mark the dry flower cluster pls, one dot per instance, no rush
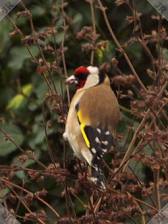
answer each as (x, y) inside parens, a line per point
(137, 169)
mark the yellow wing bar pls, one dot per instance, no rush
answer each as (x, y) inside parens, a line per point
(83, 123)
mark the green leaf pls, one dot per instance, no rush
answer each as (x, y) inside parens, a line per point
(15, 102)
(138, 169)
(40, 136)
(77, 20)
(59, 37)
(21, 175)
(135, 51)
(106, 52)
(19, 99)
(27, 89)
(40, 89)
(6, 146)
(3, 193)
(37, 11)
(19, 55)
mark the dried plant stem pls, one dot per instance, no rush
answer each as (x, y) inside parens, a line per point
(62, 50)
(98, 204)
(51, 154)
(156, 186)
(142, 212)
(80, 200)
(48, 205)
(92, 208)
(136, 199)
(94, 29)
(120, 48)
(29, 51)
(67, 204)
(23, 202)
(9, 183)
(22, 35)
(8, 137)
(148, 52)
(49, 80)
(130, 147)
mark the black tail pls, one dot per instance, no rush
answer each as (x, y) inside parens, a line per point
(101, 140)
(98, 176)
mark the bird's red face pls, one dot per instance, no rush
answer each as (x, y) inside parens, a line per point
(79, 78)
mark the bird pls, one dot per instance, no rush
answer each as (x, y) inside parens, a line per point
(92, 119)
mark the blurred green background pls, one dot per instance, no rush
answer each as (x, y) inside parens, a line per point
(33, 97)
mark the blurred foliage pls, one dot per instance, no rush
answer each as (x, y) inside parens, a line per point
(38, 49)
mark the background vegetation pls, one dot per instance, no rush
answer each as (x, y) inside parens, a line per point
(41, 43)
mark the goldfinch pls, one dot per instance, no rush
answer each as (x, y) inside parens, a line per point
(92, 118)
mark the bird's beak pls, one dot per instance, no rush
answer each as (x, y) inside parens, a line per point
(71, 80)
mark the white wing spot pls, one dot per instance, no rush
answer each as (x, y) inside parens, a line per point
(105, 142)
(104, 150)
(97, 140)
(107, 133)
(99, 130)
(96, 168)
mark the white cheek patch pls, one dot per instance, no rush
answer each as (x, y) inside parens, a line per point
(93, 77)
(92, 80)
(93, 69)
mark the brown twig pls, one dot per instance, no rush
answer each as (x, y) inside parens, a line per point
(120, 48)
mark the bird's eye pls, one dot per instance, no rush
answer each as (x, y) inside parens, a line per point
(81, 76)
